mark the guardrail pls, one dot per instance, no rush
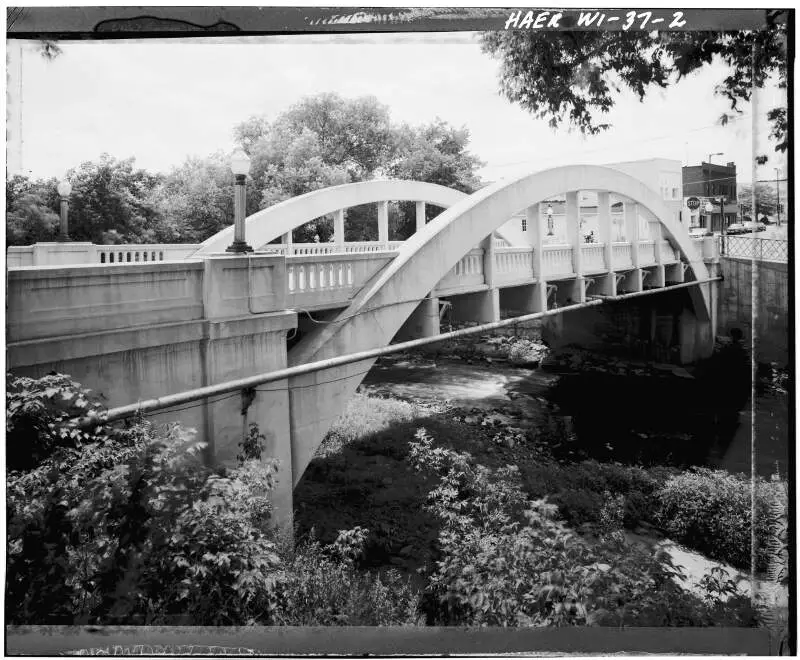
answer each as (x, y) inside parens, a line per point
(754, 247)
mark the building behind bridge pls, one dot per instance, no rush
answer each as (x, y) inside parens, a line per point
(708, 183)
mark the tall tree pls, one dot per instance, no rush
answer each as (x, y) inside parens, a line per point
(31, 214)
(327, 140)
(573, 77)
(112, 201)
(434, 153)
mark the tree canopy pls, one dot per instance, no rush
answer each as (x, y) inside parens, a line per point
(327, 140)
(323, 140)
(573, 77)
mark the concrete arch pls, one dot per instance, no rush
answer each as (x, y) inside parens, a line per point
(384, 303)
(273, 222)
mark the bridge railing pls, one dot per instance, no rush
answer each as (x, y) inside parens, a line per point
(356, 247)
(328, 280)
(466, 273)
(75, 252)
(513, 265)
(754, 247)
(647, 252)
(621, 255)
(557, 260)
(594, 257)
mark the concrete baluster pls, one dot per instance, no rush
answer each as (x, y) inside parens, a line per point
(575, 239)
(535, 231)
(420, 215)
(608, 284)
(338, 229)
(658, 276)
(631, 218)
(383, 222)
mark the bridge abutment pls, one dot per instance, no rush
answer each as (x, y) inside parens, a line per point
(145, 330)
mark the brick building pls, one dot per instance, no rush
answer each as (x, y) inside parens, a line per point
(709, 182)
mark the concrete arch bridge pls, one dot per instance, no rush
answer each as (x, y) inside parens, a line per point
(141, 330)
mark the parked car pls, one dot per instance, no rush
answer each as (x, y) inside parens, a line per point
(754, 226)
(698, 232)
(736, 228)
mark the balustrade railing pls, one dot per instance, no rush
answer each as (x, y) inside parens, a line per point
(329, 280)
(621, 255)
(110, 254)
(647, 252)
(358, 247)
(467, 272)
(513, 264)
(316, 276)
(75, 253)
(594, 260)
(557, 260)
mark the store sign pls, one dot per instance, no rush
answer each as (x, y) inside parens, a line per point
(693, 203)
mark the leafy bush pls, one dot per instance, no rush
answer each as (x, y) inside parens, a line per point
(709, 510)
(320, 586)
(127, 525)
(582, 490)
(508, 561)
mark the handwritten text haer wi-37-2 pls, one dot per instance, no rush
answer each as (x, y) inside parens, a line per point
(587, 19)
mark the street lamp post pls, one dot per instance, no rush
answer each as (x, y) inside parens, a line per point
(549, 219)
(240, 166)
(778, 193)
(64, 189)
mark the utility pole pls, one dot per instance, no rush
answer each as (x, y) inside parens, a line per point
(708, 192)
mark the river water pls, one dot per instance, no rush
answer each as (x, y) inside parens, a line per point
(664, 419)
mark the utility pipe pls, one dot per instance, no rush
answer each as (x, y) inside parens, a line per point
(171, 400)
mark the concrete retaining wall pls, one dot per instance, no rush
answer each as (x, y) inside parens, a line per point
(772, 306)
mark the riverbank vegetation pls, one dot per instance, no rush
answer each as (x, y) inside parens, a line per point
(412, 513)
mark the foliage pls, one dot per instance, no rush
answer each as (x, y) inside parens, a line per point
(766, 198)
(126, 525)
(709, 510)
(36, 410)
(252, 445)
(327, 140)
(321, 141)
(436, 153)
(507, 560)
(112, 194)
(321, 586)
(197, 197)
(364, 416)
(573, 76)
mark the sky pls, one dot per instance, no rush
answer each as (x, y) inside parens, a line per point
(163, 100)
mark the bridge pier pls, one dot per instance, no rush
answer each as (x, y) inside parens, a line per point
(478, 307)
(525, 299)
(630, 282)
(423, 322)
